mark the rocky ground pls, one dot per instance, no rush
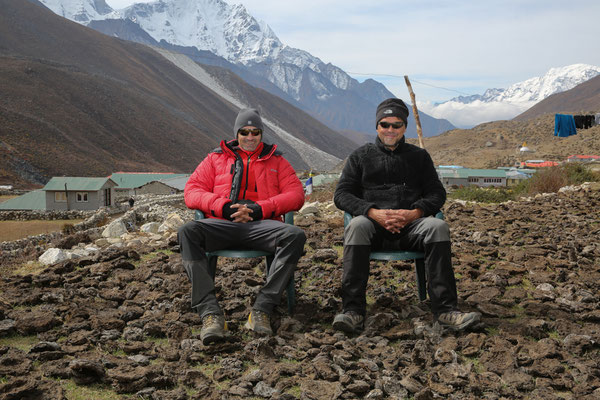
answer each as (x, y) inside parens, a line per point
(116, 323)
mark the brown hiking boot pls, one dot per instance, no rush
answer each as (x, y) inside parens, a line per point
(213, 329)
(457, 320)
(259, 322)
(349, 322)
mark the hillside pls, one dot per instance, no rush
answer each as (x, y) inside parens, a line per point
(76, 102)
(495, 144)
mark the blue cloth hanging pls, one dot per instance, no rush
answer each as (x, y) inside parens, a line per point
(564, 125)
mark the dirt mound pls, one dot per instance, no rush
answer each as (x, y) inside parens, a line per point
(121, 321)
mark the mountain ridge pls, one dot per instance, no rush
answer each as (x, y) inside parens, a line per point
(100, 104)
(233, 34)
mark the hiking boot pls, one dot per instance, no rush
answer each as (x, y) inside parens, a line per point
(349, 322)
(259, 322)
(457, 320)
(213, 329)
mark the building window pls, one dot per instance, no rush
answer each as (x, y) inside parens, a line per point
(60, 197)
(492, 180)
(473, 180)
(82, 197)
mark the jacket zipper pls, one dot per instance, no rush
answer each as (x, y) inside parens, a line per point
(247, 175)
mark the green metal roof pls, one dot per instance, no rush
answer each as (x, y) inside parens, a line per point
(125, 180)
(471, 173)
(35, 200)
(57, 183)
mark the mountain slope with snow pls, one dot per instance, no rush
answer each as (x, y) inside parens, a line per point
(230, 32)
(500, 104)
(82, 11)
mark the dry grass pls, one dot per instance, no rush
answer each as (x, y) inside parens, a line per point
(14, 230)
(28, 268)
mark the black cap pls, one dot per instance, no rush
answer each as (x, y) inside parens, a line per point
(391, 108)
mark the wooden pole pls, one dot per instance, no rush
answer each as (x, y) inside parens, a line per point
(415, 112)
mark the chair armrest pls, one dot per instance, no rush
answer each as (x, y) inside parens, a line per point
(289, 218)
(347, 218)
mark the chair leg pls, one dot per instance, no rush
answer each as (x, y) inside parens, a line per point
(421, 278)
(291, 296)
(290, 289)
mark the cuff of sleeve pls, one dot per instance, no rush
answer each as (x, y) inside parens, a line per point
(227, 211)
(257, 212)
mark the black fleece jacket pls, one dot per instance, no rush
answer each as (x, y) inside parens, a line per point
(375, 177)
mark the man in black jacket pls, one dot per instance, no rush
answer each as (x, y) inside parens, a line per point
(389, 187)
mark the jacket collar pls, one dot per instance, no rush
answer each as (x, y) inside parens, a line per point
(231, 146)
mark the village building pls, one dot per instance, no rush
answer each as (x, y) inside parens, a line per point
(131, 183)
(164, 186)
(65, 194)
(466, 176)
(76, 193)
(583, 158)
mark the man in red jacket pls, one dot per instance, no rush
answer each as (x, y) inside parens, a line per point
(243, 188)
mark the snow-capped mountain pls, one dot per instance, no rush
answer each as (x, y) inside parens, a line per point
(82, 11)
(213, 25)
(230, 32)
(500, 104)
(536, 89)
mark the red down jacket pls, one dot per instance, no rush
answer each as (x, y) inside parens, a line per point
(210, 186)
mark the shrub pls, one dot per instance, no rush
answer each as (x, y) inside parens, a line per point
(578, 173)
(548, 180)
(68, 229)
(483, 195)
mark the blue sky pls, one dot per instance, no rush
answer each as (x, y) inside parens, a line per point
(459, 46)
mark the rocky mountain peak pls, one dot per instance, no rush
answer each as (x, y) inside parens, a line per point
(230, 32)
(82, 11)
(538, 88)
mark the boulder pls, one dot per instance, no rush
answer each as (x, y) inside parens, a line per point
(115, 229)
(150, 227)
(309, 208)
(171, 223)
(53, 256)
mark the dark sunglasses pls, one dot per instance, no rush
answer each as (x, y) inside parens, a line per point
(394, 125)
(246, 132)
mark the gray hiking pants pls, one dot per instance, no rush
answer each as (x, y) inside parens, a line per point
(428, 235)
(196, 238)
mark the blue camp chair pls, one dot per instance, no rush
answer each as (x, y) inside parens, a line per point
(243, 253)
(401, 255)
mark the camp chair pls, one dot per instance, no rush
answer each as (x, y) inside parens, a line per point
(244, 253)
(401, 255)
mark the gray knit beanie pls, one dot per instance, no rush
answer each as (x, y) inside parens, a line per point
(247, 117)
(391, 108)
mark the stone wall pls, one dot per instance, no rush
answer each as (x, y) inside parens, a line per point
(148, 208)
(27, 215)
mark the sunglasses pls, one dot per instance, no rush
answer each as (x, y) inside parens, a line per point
(246, 132)
(394, 125)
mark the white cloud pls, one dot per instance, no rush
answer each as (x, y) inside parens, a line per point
(468, 115)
